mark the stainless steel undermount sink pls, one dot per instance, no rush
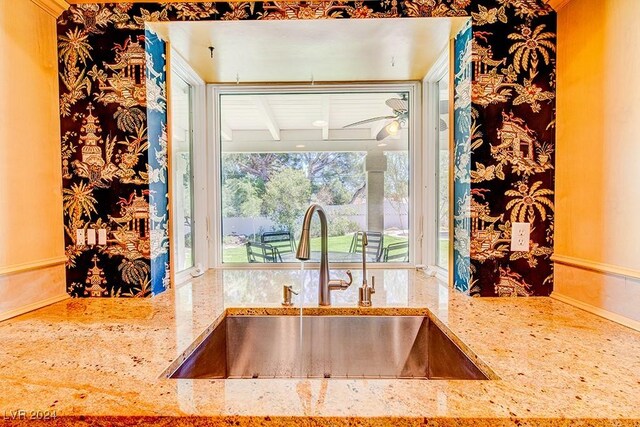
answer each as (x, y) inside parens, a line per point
(408, 347)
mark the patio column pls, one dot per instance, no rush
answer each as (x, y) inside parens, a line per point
(375, 166)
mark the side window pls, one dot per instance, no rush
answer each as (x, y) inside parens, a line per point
(182, 173)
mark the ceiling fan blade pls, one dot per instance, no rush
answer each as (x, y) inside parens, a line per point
(384, 133)
(397, 104)
(371, 120)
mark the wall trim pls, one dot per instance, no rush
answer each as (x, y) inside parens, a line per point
(184, 69)
(52, 7)
(557, 4)
(596, 266)
(33, 265)
(33, 306)
(617, 318)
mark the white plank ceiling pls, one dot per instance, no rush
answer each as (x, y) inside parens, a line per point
(336, 50)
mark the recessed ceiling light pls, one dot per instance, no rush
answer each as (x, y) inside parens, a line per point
(320, 123)
(382, 144)
(300, 146)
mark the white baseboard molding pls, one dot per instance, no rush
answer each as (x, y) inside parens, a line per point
(33, 306)
(625, 321)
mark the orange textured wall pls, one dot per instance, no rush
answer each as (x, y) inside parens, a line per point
(31, 226)
(598, 155)
(598, 137)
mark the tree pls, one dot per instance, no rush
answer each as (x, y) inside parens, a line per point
(396, 182)
(341, 174)
(240, 198)
(259, 166)
(287, 197)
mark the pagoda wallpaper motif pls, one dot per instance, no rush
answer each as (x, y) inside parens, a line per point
(113, 113)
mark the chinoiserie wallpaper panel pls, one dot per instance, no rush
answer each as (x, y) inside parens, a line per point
(462, 72)
(513, 146)
(114, 140)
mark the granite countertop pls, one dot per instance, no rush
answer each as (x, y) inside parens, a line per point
(101, 361)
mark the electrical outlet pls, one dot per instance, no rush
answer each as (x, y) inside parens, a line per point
(102, 236)
(80, 237)
(91, 237)
(520, 232)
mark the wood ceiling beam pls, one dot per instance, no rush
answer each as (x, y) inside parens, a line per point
(300, 135)
(325, 117)
(226, 132)
(317, 146)
(266, 113)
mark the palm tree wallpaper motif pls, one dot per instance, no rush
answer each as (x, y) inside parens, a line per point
(529, 202)
(113, 115)
(531, 43)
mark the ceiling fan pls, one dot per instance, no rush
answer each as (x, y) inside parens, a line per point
(400, 107)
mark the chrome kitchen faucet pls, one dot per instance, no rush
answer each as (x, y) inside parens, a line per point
(325, 284)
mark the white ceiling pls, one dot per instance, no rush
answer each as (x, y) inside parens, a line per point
(297, 51)
(299, 111)
(285, 122)
(323, 50)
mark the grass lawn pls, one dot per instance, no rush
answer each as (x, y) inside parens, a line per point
(336, 244)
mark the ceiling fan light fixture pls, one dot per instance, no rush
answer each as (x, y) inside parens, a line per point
(393, 127)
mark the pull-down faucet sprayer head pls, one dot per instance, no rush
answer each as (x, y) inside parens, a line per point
(304, 246)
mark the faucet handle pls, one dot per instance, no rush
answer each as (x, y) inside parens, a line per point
(287, 290)
(365, 291)
(339, 283)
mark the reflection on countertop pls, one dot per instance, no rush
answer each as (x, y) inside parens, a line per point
(103, 359)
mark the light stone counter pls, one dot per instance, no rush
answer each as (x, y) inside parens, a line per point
(101, 361)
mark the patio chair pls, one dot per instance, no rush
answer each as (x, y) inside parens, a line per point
(396, 252)
(374, 248)
(281, 240)
(262, 252)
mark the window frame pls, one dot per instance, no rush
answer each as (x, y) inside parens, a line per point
(431, 93)
(180, 67)
(215, 91)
